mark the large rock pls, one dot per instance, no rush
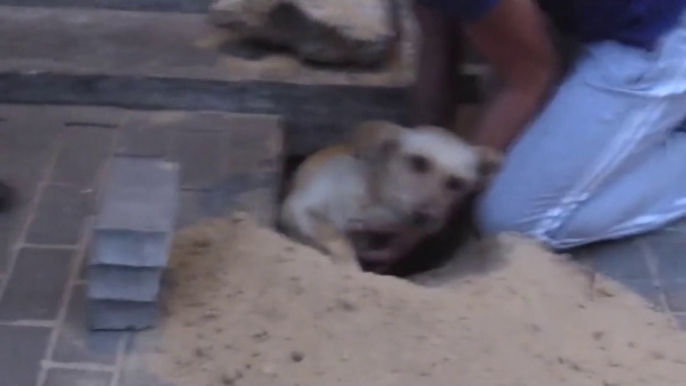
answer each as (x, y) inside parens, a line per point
(328, 31)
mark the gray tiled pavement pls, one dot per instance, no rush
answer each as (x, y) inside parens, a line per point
(56, 157)
(653, 265)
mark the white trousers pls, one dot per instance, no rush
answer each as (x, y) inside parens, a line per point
(606, 158)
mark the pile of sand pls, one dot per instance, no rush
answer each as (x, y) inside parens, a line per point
(249, 307)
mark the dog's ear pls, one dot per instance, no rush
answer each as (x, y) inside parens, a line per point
(375, 140)
(489, 164)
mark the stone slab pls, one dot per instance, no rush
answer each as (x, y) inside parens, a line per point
(139, 195)
(108, 282)
(139, 208)
(130, 248)
(122, 315)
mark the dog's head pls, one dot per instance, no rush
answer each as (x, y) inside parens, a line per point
(422, 172)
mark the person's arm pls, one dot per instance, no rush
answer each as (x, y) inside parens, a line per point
(514, 39)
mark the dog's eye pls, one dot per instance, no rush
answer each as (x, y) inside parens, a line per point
(418, 163)
(455, 183)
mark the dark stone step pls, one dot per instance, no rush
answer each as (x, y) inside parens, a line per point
(313, 115)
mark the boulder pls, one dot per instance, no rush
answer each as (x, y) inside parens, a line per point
(326, 31)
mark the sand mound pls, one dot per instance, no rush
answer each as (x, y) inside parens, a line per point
(249, 307)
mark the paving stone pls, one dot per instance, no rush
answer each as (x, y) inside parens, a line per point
(108, 282)
(203, 157)
(27, 140)
(83, 270)
(122, 315)
(82, 155)
(256, 142)
(191, 208)
(76, 343)
(26, 130)
(25, 145)
(255, 192)
(22, 168)
(678, 225)
(676, 296)
(7, 238)
(21, 350)
(668, 247)
(620, 260)
(37, 284)
(139, 209)
(229, 144)
(143, 136)
(648, 290)
(60, 216)
(68, 377)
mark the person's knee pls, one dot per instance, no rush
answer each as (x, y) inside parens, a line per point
(496, 212)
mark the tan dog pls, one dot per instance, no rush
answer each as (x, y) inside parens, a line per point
(389, 177)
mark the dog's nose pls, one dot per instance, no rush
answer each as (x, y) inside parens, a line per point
(420, 219)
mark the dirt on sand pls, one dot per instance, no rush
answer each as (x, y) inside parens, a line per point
(249, 307)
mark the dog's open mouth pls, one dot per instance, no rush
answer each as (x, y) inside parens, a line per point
(379, 240)
(370, 241)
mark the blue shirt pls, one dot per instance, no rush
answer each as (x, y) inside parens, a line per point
(634, 22)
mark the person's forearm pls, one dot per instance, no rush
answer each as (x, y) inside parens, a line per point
(508, 114)
(514, 40)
